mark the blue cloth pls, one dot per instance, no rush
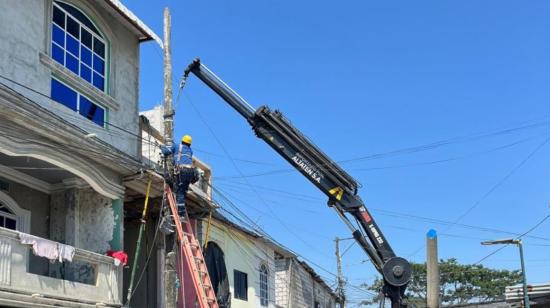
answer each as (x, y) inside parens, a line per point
(186, 153)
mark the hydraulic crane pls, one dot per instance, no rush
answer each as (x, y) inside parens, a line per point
(341, 189)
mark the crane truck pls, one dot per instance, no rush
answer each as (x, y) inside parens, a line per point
(340, 188)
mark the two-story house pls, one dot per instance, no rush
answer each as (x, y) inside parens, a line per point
(69, 136)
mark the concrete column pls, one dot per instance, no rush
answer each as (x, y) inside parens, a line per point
(432, 270)
(64, 212)
(117, 243)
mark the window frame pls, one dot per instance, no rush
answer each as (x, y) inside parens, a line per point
(237, 285)
(11, 215)
(95, 34)
(78, 96)
(264, 285)
(23, 216)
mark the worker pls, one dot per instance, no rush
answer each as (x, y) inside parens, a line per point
(184, 171)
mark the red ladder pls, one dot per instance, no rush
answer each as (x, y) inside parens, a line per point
(191, 258)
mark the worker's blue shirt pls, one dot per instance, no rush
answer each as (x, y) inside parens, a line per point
(186, 157)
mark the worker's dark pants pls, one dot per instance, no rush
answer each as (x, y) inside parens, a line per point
(184, 178)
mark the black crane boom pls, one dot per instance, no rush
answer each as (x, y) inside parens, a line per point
(323, 172)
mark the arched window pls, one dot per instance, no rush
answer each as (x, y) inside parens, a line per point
(12, 216)
(79, 46)
(264, 288)
(8, 219)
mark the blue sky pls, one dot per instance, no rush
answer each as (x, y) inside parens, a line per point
(362, 78)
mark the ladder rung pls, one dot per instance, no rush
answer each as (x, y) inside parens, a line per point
(199, 259)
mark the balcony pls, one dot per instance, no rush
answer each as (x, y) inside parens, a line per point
(92, 280)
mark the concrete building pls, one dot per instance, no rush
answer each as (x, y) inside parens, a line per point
(69, 148)
(297, 285)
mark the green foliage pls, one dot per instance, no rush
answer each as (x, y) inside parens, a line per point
(460, 283)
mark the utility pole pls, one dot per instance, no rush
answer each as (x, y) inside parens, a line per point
(169, 277)
(341, 282)
(432, 270)
(168, 108)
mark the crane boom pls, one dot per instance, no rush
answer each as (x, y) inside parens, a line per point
(341, 188)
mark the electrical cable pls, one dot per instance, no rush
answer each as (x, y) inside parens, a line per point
(245, 179)
(519, 237)
(493, 188)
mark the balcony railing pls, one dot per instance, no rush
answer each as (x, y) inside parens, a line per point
(18, 286)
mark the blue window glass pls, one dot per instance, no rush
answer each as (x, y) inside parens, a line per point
(58, 35)
(73, 45)
(78, 45)
(71, 63)
(91, 111)
(98, 81)
(58, 54)
(73, 27)
(86, 56)
(86, 38)
(58, 17)
(86, 73)
(99, 47)
(78, 15)
(63, 94)
(99, 65)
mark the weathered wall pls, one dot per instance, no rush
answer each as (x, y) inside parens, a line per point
(25, 30)
(301, 287)
(96, 221)
(282, 292)
(245, 254)
(323, 296)
(82, 218)
(296, 288)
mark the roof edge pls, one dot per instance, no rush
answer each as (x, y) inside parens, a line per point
(147, 33)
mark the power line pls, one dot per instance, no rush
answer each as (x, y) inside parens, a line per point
(494, 187)
(245, 179)
(395, 214)
(267, 235)
(421, 148)
(519, 237)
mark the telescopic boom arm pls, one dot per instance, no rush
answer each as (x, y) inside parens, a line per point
(319, 169)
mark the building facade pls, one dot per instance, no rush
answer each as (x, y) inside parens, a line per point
(298, 286)
(69, 74)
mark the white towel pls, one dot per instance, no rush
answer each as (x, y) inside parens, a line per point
(41, 247)
(66, 252)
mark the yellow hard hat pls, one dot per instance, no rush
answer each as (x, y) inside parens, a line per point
(187, 139)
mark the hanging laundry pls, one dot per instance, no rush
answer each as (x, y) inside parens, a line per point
(119, 256)
(40, 246)
(66, 252)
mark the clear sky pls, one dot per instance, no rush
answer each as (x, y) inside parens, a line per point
(369, 77)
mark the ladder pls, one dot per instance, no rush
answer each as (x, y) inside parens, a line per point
(190, 257)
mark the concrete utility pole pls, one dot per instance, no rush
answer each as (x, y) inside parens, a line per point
(432, 270)
(168, 108)
(341, 282)
(169, 277)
